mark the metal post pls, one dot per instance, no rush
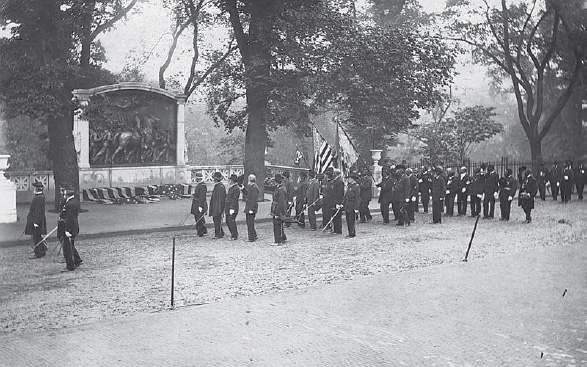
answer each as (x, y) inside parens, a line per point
(172, 269)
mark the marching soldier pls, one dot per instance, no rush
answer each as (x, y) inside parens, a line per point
(231, 206)
(438, 194)
(71, 230)
(279, 211)
(289, 187)
(352, 199)
(326, 188)
(413, 204)
(567, 179)
(528, 191)
(301, 200)
(542, 180)
(385, 195)
(217, 203)
(365, 186)
(580, 178)
(476, 192)
(555, 174)
(251, 206)
(200, 206)
(463, 184)
(425, 184)
(451, 192)
(337, 200)
(36, 224)
(490, 192)
(508, 187)
(313, 199)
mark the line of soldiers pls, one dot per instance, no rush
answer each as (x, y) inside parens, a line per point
(561, 179)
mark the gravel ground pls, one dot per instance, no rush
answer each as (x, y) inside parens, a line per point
(132, 274)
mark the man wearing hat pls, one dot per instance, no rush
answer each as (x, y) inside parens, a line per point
(555, 176)
(365, 187)
(542, 180)
(413, 205)
(425, 185)
(337, 201)
(352, 200)
(580, 178)
(289, 187)
(301, 199)
(279, 210)
(199, 205)
(251, 206)
(451, 191)
(313, 199)
(217, 203)
(438, 194)
(508, 187)
(326, 189)
(567, 180)
(490, 192)
(231, 206)
(386, 194)
(36, 224)
(463, 184)
(402, 196)
(528, 191)
(71, 229)
(476, 192)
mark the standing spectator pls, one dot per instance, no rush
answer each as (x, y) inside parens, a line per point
(289, 187)
(71, 227)
(231, 206)
(528, 191)
(555, 175)
(200, 206)
(413, 204)
(542, 180)
(403, 190)
(463, 184)
(490, 192)
(337, 199)
(352, 199)
(451, 191)
(36, 223)
(365, 186)
(217, 202)
(508, 186)
(476, 192)
(385, 195)
(567, 179)
(326, 188)
(438, 193)
(580, 178)
(301, 200)
(279, 211)
(312, 199)
(425, 184)
(251, 206)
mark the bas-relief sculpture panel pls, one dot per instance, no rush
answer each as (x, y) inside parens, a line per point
(132, 127)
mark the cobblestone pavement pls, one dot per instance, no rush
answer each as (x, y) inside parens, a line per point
(522, 309)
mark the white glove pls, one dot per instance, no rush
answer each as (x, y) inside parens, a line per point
(558, 184)
(338, 206)
(447, 192)
(67, 234)
(200, 209)
(36, 225)
(413, 198)
(420, 181)
(480, 196)
(495, 195)
(566, 178)
(289, 203)
(510, 198)
(407, 200)
(321, 196)
(231, 211)
(356, 211)
(463, 189)
(250, 212)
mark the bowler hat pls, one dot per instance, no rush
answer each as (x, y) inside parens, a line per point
(234, 177)
(217, 176)
(278, 177)
(39, 184)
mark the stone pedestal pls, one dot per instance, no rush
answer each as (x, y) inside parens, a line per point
(7, 194)
(376, 156)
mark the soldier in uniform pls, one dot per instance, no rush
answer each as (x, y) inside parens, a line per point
(36, 224)
(451, 192)
(251, 206)
(71, 230)
(528, 191)
(352, 200)
(337, 200)
(425, 184)
(555, 174)
(463, 184)
(490, 192)
(580, 177)
(365, 186)
(542, 179)
(438, 194)
(326, 188)
(231, 206)
(507, 190)
(413, 204)
(312, 199)
(289, 187)
(403, 190)
(476, 192)
(567, 179)
(301, 200)
(200, 206)
(279, 210)
(385, 195)
(217, 202)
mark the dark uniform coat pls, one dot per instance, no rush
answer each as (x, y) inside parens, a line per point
(279, 203)
(71, 210)
(365, 188)
(438, 188)
(352, 197)
(386, 194)
(231, 202)
(313, 193)
(252, 193)
(217, 200)
(530, 188)
(199, 199)
(36, 215)
(337, 191)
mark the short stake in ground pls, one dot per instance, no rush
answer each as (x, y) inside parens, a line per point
(471, 241)
(172, 269)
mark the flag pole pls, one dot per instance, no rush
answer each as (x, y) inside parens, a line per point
(353, 145)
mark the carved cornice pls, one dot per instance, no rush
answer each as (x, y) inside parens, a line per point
(86, 94)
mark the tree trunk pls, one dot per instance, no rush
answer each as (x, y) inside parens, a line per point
(535, 153)
(62, 152)
(258, 74)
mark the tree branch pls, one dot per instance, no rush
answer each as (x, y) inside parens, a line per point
(102, 27)
(239, 34)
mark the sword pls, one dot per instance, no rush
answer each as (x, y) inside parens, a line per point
(331, 219)
(186, 218)
(46, 236)
(202, 217)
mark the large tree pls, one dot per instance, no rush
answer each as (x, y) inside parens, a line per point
(525, 42)
(51, 51)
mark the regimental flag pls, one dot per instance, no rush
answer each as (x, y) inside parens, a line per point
(324, 154)
(347, 152)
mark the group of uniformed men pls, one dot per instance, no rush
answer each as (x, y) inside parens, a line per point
(560, 179)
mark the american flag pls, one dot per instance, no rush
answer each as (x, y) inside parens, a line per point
(324, 154)
(348, 153)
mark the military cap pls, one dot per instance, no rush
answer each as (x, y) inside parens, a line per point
(217, 176)
(438, 169)
(490, 167)
(278, 178)
(400, 166)
(353, 174)
(39, 185)
(233, 177)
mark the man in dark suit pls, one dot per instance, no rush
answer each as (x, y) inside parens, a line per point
(438, 194)
(337, 199)
(365, 182)
(36, 224)
(200, 206)
(508, 186)
(476, 192)
(217, 202)
(352, 200)
(580, 178)
(490, 192)
(231, 206)
(385, 195)
(279, 211)
(424, 185)
(403, 190)
(542, 179)
(71, 227)
(301, 199)
(528, 191)
(555, 175)
(289, 187)
(326, 190)
(451, 192)
(312, 199)
(251, 206)
(413, 204)
(566, 180)
(463, 184)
